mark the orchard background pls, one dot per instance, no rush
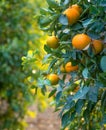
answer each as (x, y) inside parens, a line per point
(65, 61)
(19, 34)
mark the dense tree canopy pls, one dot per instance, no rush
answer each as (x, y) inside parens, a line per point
(18, 34)
(79, 61)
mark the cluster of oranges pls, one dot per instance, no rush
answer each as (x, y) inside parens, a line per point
(68, 67)
(79, 42)
(83, 41)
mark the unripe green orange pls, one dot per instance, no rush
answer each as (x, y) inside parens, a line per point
(53, 42)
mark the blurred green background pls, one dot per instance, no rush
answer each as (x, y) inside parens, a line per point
(18, 34)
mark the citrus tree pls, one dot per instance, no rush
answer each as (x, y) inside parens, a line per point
(76, 60)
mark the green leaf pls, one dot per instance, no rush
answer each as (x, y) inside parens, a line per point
(66, 2)
(52, 64)
(47, 82)
(65, 119)
(53, 4)
(103, 63)
(81, 93)
(93, 34)
(63, 20)
(93, 94)
(40, 82)
(104, 118)
(74, 55)
(86, 115)
(43, 89)
(93, 10)
(69, 105)
(87, 22)
(85, 73)
(58, 96)
(46, 57)
(103, 3)
(77, 26)
(90, 52)
(97, 26)
(103, 101)
(79, 106)
(44, 21)
(102, 78)
(52, 92)
(45, 11)
(104, 50)
(47, 49)
(89, 108)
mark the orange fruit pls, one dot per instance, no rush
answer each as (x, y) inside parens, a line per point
(54, 78)
(69, 67)
(77, 7)
(72, 14)
(97, 46)
(81, 41)
(53, 42)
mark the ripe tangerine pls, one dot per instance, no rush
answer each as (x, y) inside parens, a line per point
(54, 78)
(72, 15)
(77, 7)
(69, 67)
(81, 41)
(97, 46)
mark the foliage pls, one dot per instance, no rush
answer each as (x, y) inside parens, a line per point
(17, 34)
(86, 107)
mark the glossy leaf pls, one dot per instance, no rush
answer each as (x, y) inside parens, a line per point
(81, 93)
(103, 63)
(63, 20)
